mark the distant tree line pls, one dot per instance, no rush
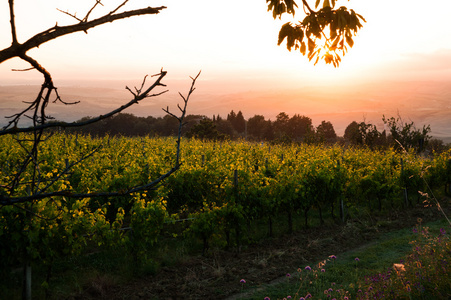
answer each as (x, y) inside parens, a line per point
(284, 129)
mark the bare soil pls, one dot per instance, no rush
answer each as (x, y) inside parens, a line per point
(217, 275)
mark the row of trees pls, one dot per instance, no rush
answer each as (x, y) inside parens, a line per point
(284, 129)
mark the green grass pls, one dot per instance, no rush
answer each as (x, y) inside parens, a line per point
(343, 272)
(99, 270)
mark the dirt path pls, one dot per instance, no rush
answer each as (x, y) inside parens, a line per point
(244, 295)
(217, 275)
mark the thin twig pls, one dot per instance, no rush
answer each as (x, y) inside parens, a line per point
(67, 169)
(40, 194)
(181, 118)
(13, 22)
(117, 8)
(85, 19)
(22, 70)
(136, 99)
(71, 15)
(57, 31)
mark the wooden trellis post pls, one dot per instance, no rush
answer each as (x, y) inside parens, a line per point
(406, 198)
(342, 209)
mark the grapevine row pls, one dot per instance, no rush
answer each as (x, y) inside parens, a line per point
(223, 188)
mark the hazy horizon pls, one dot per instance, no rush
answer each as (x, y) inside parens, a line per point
(423, 102)
(394, 66)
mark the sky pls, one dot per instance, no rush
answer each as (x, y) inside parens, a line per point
(233, 42)
(227, 39)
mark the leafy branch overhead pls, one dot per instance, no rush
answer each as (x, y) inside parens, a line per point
(324, 33)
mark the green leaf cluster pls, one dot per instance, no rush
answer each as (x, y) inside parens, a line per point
(279, 7)
(323, 34)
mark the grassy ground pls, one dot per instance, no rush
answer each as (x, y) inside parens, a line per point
(344, 271)
(177, 271)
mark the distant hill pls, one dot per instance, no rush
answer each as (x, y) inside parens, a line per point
(423, 102)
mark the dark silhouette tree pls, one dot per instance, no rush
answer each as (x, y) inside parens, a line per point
(225, 127)
(352, 134)
(268, 132)
(436, 146)
(280, 126)
(325, 132)
(231, 116)
(205, 130)
(372, 137)
(363, 134)
(256, 127)
(237, 121)
(405, 136)
(240, 123)
(299, 127)
(123, 124)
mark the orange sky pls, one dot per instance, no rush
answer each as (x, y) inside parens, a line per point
(227, 39)
(234, 43)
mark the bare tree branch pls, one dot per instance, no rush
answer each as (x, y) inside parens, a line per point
(70, 15)
(58, 98)
(67, 169)
(181, 118)
(117, 8)
(40, 194)
(39, 117)
(40, 103)
(17, 49)
(4, 200)
(136, 99)
(87, 14)
(22, 70)
(90, 11)
(27, 171)
(13, 22)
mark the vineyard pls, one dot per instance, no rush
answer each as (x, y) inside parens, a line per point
(222, 191)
